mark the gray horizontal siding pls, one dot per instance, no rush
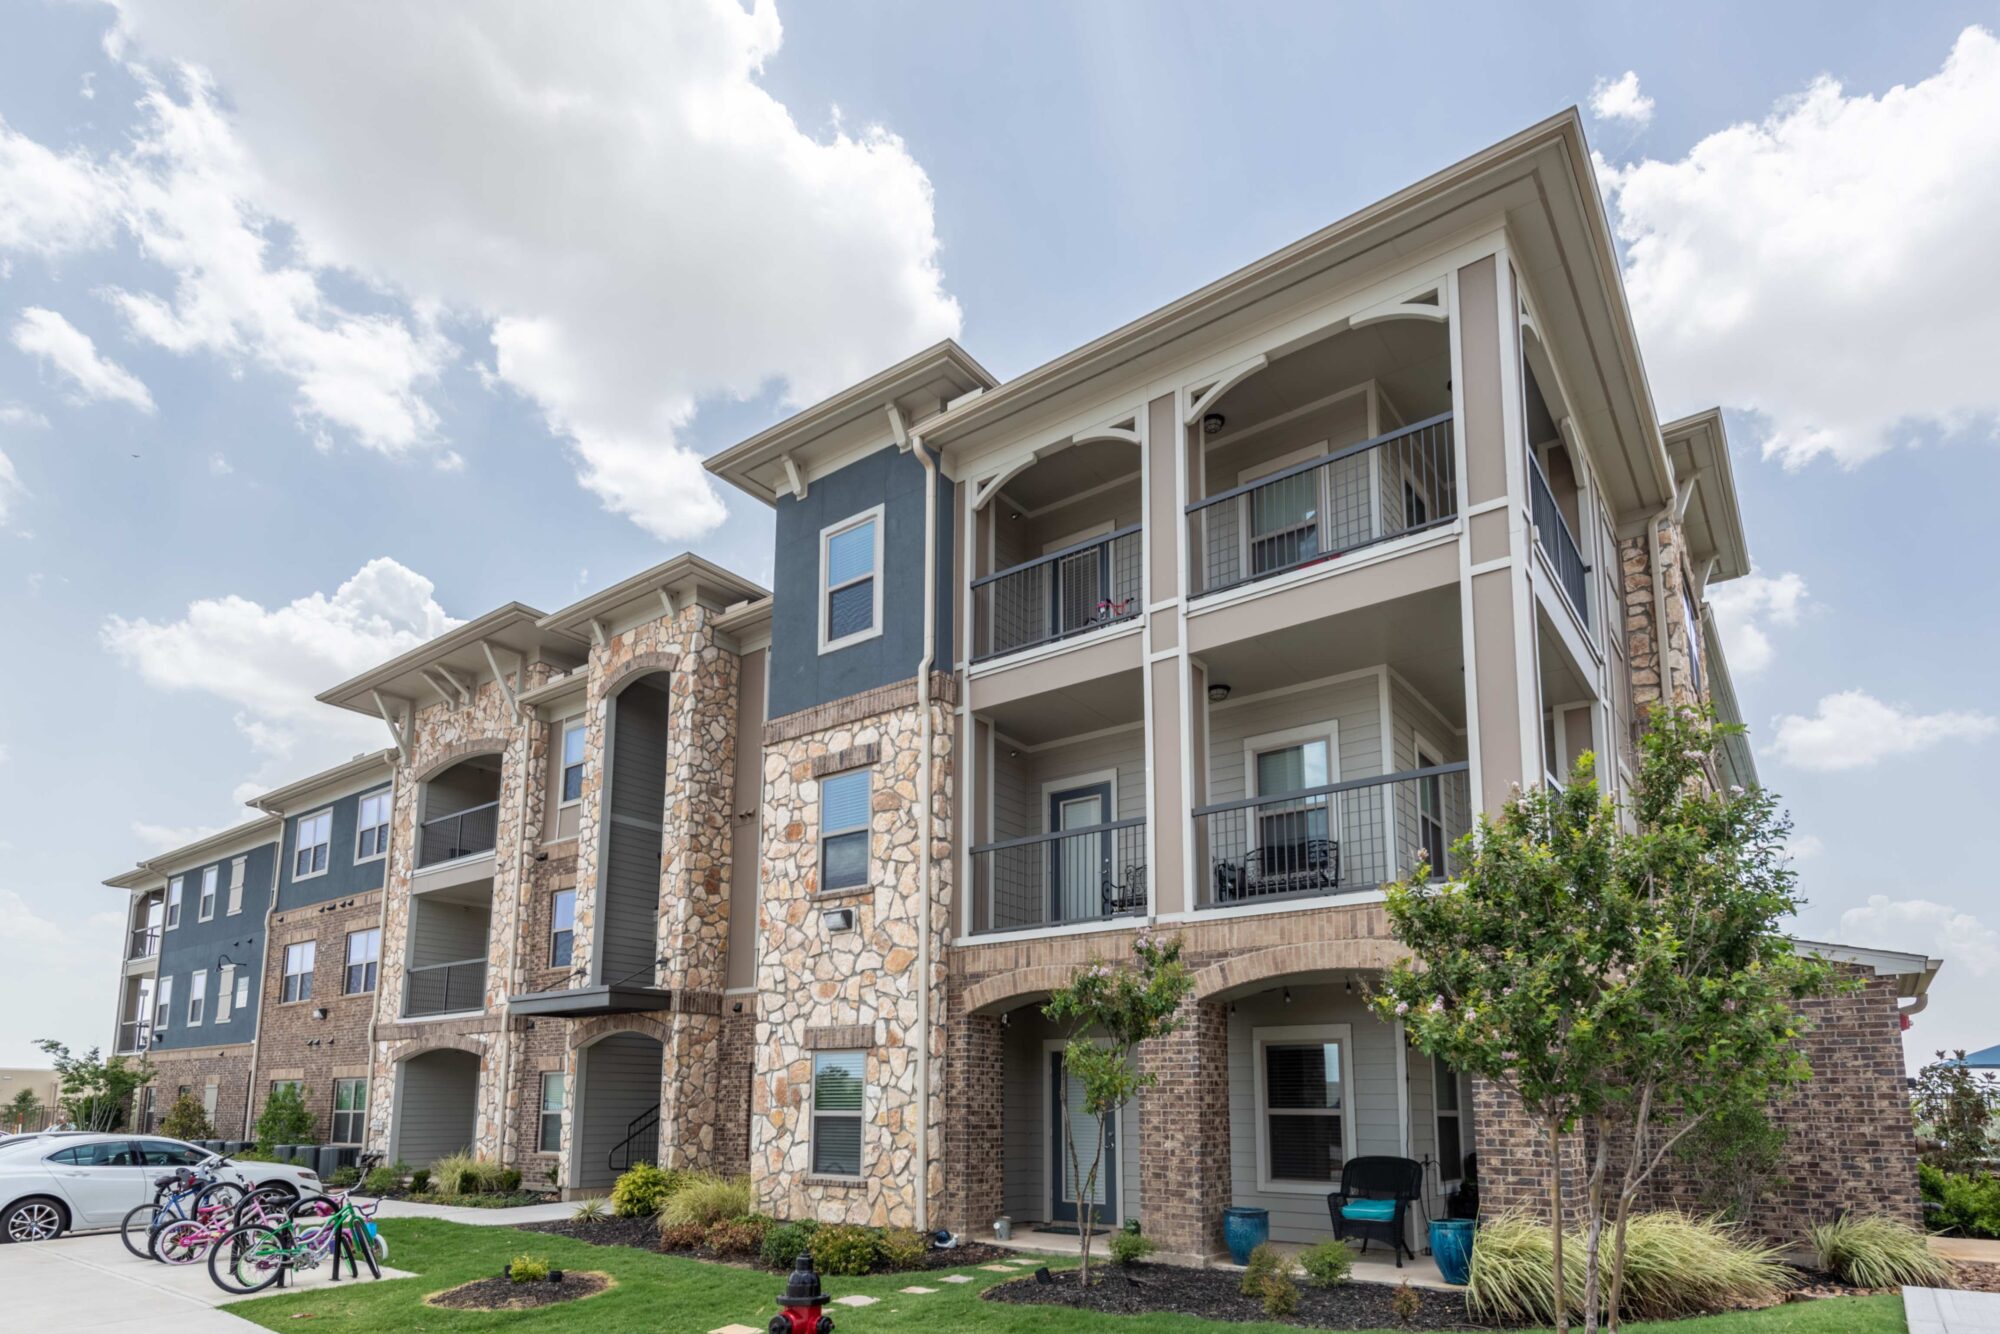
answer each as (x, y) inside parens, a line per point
(437, 1097)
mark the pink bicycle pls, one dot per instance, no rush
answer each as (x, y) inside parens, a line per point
(187, 1241)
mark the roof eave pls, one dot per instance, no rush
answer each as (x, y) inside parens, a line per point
(312, 788)
(251, 833)
(677, 573)
(357, 693)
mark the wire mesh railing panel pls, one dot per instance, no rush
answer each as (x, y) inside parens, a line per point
(1058, 596)
(445, 988)
(1557, 542)
(1075, 875)
(460, 834)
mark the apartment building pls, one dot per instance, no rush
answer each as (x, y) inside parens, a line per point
(1213, 625)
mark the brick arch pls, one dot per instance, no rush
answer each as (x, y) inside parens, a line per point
(1021, 984)
(1319, 956)
(461, 750)
(586, 1032)
(636, 666)
(440, 1042)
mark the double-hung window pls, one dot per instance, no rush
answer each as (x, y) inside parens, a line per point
(309, 850)
(562, 927)
(299, 971)
(204, 907)
(237, 869)
(1450, 1126)
(371, 835)
(574, 733)
(1431, 835)
(1304, 1129)
(174, 902)
(364, 954)
(163, 1004)
(350, 1110)
(850, 579)
(838, 1094)
(242, 990)
(843, 830)
(548, 1134)
(225, 992)
(197, 996)
(1292, 834)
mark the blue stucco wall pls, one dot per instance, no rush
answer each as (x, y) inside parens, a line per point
(193, 946)
(343, 878)
(801, 676)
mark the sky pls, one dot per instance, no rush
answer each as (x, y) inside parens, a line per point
(325, 327)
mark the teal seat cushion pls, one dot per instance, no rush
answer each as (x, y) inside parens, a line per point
(1369, 1211)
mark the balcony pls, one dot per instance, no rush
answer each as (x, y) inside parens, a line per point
(465, 833)
(1066, 593)
(444, 988)
(134, 1036)
(1320, 510)
(1076, 875)
(1558, 543)
(144, 944)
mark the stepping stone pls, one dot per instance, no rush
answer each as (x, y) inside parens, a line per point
(956, 1278)
(921, 1292)
(734, 1329)
(855, 1299)
(998, 1269)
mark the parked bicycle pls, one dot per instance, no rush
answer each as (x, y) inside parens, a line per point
(179, 1196)
(251, 1258)
(186, 1240)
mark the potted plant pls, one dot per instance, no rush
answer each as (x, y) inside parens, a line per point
(1244, 1230)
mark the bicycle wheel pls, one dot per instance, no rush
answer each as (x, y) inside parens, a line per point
(364, 1246)
(266, 1204)
(181, 1242)
(139, 1225)
(249, 1259)
(227, 1194)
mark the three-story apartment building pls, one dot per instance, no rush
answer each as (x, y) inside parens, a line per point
(1213, 625)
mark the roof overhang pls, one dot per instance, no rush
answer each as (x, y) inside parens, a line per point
(685, 580)
(783, 458)
(428, 670)
(582, 1002)
(1712, 520)
(1913, 972)
(1538, 184)
(360, 772)
(238, 838)
(1739, 764)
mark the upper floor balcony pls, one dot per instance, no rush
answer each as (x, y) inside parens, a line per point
(449, 933)
(461, 812)
(143, 943)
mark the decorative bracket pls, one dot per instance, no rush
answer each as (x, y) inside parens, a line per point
(795, 481)
(500, 678)
(1212, 392)
(896, 427)
(1425, 304)
(399, 732)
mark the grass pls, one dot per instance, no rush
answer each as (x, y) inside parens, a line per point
(664, 1294)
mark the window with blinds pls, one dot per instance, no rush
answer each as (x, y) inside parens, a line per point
(843, 830)
(838, 1094)
(850, 564)
(1305, 1110)
(236, 871)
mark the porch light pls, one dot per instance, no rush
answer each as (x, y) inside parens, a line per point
(1217, 693)
(319, 1012)
(1288, 995)
(838, 919)
(1212, 423)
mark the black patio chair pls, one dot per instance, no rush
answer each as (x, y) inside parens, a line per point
(1374, 1200)
(1289, 868)
(1127, 895)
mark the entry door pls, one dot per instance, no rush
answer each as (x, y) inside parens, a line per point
(1077, 866)
(1064, 1206)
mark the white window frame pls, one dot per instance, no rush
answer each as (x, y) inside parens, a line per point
(543, 1111)
(1260, 1038)
(1438, 1115)
(225, 992)
(335, 1112)
(243, 989)
(860, 1117)
(163, 1005)
(299, 843)
(361, 825)
(311, 947)
(197, 1004)
(575, 723)
(347, 963)
(175, 888)
(866, 828)
(211, 887)
(555, 930)
(825, 591)
(239, 871)
(1328, 731)
(1420, 746)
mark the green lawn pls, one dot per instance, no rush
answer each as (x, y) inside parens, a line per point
(659, 1294)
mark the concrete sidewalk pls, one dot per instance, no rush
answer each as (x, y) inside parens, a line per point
(1935, 1311)
(452, 1213)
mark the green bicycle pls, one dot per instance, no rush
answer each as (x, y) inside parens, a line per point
(252, 1257)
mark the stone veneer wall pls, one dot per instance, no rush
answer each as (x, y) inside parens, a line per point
(859, 987)
(228, 1067)
(287, 1030)
(1642, 637)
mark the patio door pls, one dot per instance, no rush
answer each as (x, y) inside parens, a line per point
(1066, 1200)
(1077, 866)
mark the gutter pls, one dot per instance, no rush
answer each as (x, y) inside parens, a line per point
(926, 798)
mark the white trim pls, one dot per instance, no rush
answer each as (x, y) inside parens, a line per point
(1284, 739)
(197, 994)
(563, 727)
(1395, 547)
(862, 1116)
(1457, 1114)
(209, 893)
(170, 915)
(1403, 1087)
(1101, 635)
(1050, 787)
(298, 834)
(388, 823)
(239, 871)
(1338, 899)
(1260, 1113)
(823, 592)
(866, 828)
(1075, 740)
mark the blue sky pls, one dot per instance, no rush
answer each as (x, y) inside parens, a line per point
(321, 326)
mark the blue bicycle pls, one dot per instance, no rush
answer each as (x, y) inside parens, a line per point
(183, 1194)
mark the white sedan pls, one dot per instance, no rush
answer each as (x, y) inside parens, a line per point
(58, 1183)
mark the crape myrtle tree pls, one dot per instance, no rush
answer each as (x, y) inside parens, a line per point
(1619, 966)
(94, 1092)
(1109, 1010)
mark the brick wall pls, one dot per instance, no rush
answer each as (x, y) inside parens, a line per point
(975, 1176)
(194, 1068)
(539, 1046)
(1184, 1132)
(738, 1057)
(291, 1044)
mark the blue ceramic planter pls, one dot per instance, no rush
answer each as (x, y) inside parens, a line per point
(1244, 1230)
(1451, 1247)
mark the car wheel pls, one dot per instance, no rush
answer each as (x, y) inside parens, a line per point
(32, 1220)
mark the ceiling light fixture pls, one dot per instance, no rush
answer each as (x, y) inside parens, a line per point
(1212, 423)
(1217, 693)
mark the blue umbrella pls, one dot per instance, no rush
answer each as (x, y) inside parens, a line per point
(1989, 1059)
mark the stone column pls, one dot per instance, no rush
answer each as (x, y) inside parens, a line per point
(974, 1166)
(1184, 1133)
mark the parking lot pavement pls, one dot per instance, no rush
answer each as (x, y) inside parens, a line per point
(92, 1282)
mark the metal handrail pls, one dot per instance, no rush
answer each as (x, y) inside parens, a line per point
(1029, 840)
(1557, 541)
(1071, 550)
(1297, 469)
(1328, 789)
(648, 1120)
(1035, 603)
(446, 997)
(458, 845)
(145, 943)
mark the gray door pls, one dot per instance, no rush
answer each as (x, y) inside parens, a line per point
(1077, 866)
(1068, 1173)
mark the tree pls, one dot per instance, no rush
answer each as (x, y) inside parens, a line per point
(1735, 1157)
(1956, 1108)
(285, 1119)
(22, 1108)
(1109, 1012)
(92, 1092)
(187, 1120)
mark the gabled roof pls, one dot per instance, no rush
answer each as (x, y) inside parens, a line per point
(213, 847)
(357, 773)
(686, 576)
(515, 628)
(1713, 522)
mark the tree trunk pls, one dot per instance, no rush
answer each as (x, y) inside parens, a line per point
(1556, 1226)
(1593, 1235)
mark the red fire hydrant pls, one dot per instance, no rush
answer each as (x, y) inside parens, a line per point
(799, 1307)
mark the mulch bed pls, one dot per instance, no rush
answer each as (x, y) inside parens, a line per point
(504, 1294)
(1213, 1294)
(644, 1234)
(1976, 1277)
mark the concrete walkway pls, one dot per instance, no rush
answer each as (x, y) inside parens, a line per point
(1936, 1311)
(452, 1213)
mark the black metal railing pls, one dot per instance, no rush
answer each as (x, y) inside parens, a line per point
(134, 1035)
(145, 944)
(1332, 839)
(1058, 596)
(1557, 542)
(444, 988)
(1388, 487)
(1078, 875)
(461, 834)
(640, 1145)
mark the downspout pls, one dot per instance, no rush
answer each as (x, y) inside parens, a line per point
(926, 866)
(263, 963)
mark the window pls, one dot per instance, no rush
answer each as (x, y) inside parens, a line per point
(1693, 638)
(242, 990)
(371, 837)
(309, 851)
(850, 562)
(163, 1004)
(173, 903)
(210, 1092)
(1293, 837)
(197, 996)
(296, 1086)
(170, 1153)
(104, 1153)
(836, 1123)
(1430, 810)
(204, 907)
(575, 731)
(843, 830)
(236, 870)
(562, 927)
(225, 993)
(548, 1137)
(364, 954)
(1302, 1105)
(299, 971)
(350, 1110)
(1450, 1131)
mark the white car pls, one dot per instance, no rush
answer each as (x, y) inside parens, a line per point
(54, 1184)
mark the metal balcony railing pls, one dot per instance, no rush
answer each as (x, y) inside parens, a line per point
(1077, 875)
(134, 1035)
(463, 833)
(1557, 542)
(1388, 487)
(1332, 839)
(144, 943)
(1058, 596)
(444, 988)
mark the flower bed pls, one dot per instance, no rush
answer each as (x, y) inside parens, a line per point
(1216, 1294)
(644, 1234)
(504, 1294)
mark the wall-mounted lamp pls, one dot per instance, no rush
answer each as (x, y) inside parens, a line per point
(1350, 984)
(838, 919)
(736, 1007)
(541, 856)
(319, 1012)
(1217, 693)
(1288, 995)
(1212, 423)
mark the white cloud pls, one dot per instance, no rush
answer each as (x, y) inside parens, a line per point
(1620, 99)
(10, 488)
(1853, 729)
(1853, 234)
(20, 416)
(218, 465)
(51, 202)
(1746, 609)
(271, 661)
(69, 351)
(1936, 929)
(1802, 847)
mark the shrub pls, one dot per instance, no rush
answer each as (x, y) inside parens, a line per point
(1965, 1203)
(706, 1198)
(736, 1237)
(1406, 1305)
(186, 1120)
(682, 1236)
(843, 1249)
(285, 1119)
(1129, 1248)
(344, 1178)
(1734, 1157)
(1674, 1265)
(528, 1269)
(1265, 1260)
(902, 1248)
(420, 1180)
(785, 1242)
(1328, 1265)
(641, 1190)
(1877, 1252)
(463, 1174)
(1279, 1294)
(510, 1180)
(589, 1211)
(384, 1179)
